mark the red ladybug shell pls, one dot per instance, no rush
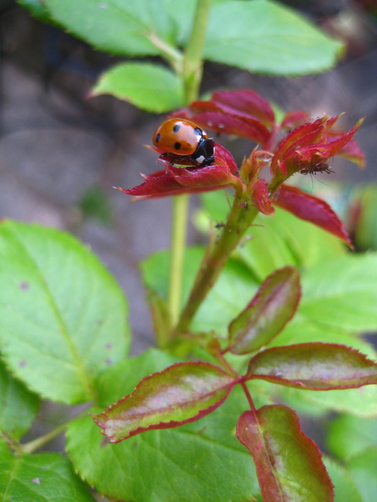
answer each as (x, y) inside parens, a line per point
(178, 136)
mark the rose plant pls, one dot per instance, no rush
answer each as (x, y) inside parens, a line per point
(252, 332)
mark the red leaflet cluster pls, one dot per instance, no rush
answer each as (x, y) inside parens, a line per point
(306, 149)
(187, 178)
(288, 463)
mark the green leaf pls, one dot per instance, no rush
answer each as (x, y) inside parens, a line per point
(63, 315)
(201, 461)
(344, 486)
(317, 366)
(37, 9)
(363, 468)
(301, 330)
(232, 290)
(182, 393)
(265, 37)
(145, 85)
(349, 435)
(38, 478)
(18, 406)
(291, 241)
(266, 315)
(361, 402)
(366, 225)
(288, 463)
(342, 293)
(116, 26)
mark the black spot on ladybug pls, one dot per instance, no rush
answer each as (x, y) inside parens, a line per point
(198, 131)
(158, 138)
(177, 145)
(176, 128)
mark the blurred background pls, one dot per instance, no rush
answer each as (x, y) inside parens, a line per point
(61, 151)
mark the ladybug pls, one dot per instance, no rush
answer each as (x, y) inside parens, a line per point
(183, 138)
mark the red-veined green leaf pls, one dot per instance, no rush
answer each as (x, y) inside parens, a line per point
(315, 366)
(182, 393)
(288, 463)
(266, 315)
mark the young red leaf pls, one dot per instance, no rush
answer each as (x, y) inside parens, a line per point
(351, 151)
(269, 311)
(242, 113)
(336, 146)
(220, 174)
(315, 366)
(188, 178)
(294, 119)
(288, 463)
(310, 208)
(258, 191)
(184, 392)
(227, 124)
(308, 149)
(245, 102)
(307, 134)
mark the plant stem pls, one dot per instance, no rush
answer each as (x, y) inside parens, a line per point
(37, 443)
(240, 218)
(191, 74)
(193, 59)
(224, 363)
(172, 55)
(179, 221)
(248, 397)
